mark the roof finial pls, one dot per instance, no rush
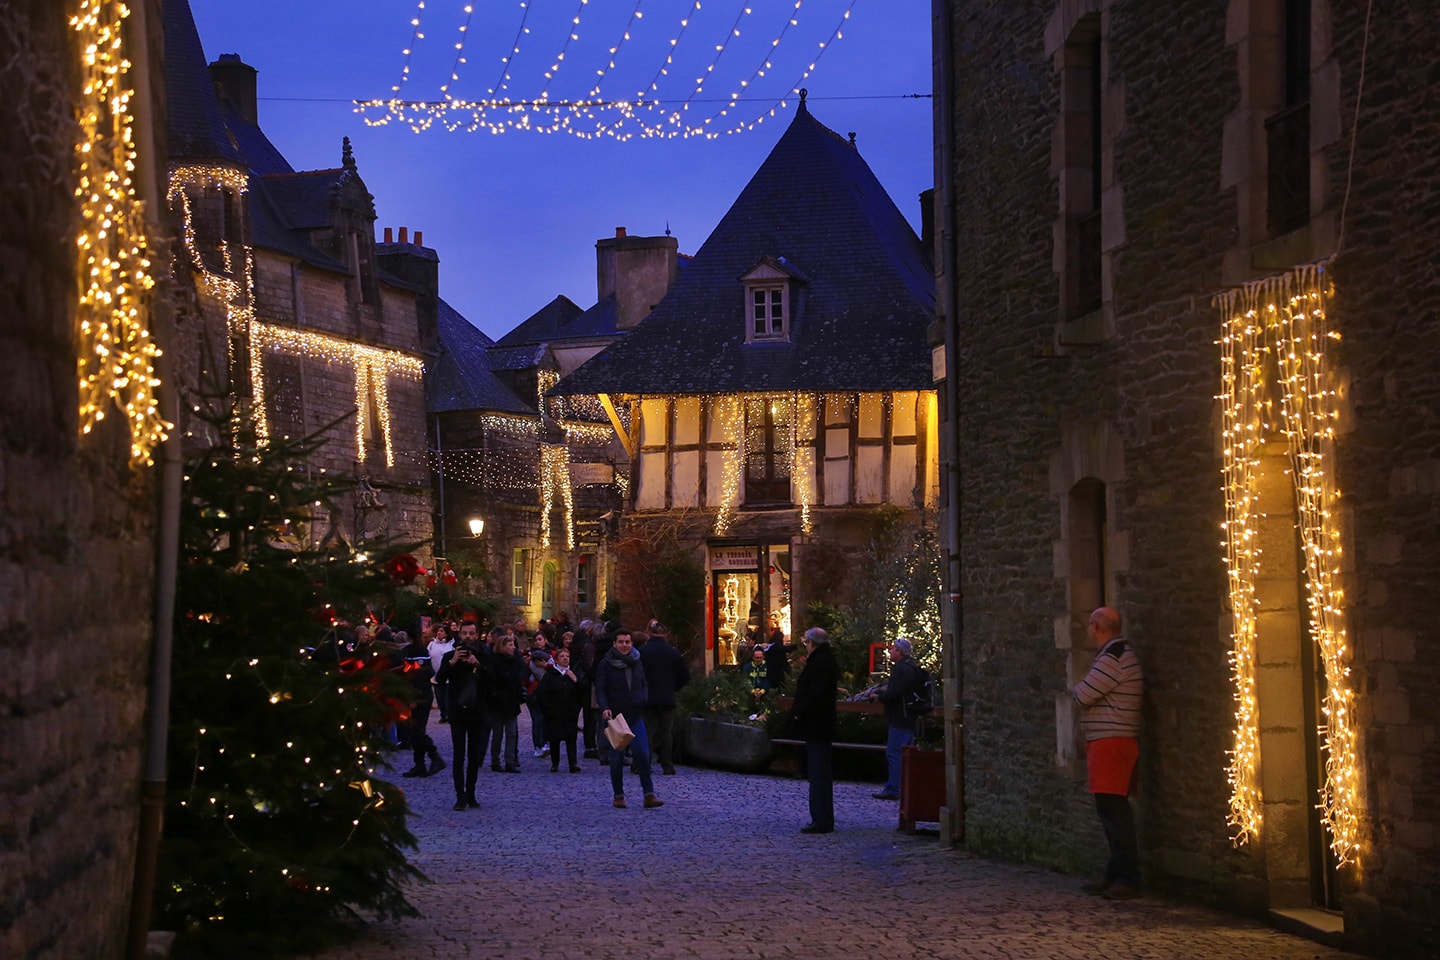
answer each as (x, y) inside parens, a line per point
(803, 94)
(347, 156)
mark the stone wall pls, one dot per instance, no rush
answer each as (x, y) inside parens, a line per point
(1125, 400)
(76, 556)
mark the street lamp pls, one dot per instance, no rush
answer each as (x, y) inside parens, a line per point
(477, 526)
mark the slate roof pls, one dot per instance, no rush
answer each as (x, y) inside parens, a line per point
(305, 197)
(261, 155)
(524, 357)
(194, 127)
(859, 323)
(459, 378)
(558, 320)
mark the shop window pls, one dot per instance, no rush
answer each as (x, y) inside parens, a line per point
(585, 579)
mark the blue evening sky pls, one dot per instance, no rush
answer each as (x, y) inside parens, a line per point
(514, 216)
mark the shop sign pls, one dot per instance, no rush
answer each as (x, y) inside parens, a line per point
(733, 558)
(582, 474)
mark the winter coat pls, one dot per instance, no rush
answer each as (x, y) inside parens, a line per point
(506, 690)
(620, 685)
(905, 679)
(559, 697)
(813, 716)
(665, 670)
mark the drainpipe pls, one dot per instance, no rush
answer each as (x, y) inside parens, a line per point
(152, 787)
(953, 818)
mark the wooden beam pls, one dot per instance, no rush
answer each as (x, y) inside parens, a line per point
(615, 422)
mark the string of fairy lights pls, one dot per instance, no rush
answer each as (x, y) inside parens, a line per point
(117, 355)
(1274, 343)
(649, 113)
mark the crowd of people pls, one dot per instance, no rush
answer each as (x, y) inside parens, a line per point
(572, 681)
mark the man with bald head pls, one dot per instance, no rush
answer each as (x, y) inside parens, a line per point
(1109, 698)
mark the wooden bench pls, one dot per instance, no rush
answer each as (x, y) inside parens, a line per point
(878, 747)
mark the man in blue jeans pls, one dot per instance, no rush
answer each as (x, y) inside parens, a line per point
(620, 687)
(905, 680)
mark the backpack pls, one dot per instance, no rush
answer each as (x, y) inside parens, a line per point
(921, 701)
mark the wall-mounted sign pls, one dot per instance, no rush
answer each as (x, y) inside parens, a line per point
(734, 558)
(583, 473)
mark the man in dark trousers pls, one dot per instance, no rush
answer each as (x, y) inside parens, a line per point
(665, 672)
(813, 720)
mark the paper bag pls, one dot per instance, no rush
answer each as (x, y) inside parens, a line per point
(618, 732)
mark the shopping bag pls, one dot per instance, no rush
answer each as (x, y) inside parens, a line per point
(618, 732)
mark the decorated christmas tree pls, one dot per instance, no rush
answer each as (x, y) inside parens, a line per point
(279, 833)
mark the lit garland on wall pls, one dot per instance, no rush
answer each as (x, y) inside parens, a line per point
(1282, 320)
(116, 354)
(646, 115)
(730, 411)
(555, 484)
(372, 367)
(804, 461)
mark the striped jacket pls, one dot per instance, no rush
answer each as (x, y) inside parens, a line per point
(1109, 696)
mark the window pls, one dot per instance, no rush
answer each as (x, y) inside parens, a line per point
(1287, 131)
(519, 574)
(1079, 156)
(767, 313)
(770, 299)
(769, 450)
(585, 579)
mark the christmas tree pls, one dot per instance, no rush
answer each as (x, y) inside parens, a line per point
(278, 834)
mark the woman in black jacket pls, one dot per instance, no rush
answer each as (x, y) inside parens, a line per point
(559, 696)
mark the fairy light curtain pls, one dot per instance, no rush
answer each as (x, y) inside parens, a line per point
(1274, 341)
(661, 97)
(117, 354)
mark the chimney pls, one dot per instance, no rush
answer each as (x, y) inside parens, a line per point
(418, 241)
(637, 271)
(234, 81)
(414, 264)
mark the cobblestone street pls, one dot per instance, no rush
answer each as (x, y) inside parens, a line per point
(548, 868)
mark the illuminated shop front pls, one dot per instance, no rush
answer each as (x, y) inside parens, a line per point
(747, 584)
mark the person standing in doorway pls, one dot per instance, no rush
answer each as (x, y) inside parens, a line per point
(1109, 698)
(813, 720)
(904, 683)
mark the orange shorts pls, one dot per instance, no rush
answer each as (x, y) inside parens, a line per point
(1110, 762)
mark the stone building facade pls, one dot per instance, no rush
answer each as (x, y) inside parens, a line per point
(294, 319)
(1185, 278)
(77, 518)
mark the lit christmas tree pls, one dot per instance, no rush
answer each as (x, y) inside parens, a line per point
(278, 833)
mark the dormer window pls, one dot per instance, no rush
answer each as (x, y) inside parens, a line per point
(768, 313)
(770, 299)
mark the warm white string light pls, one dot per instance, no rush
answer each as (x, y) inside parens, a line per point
(1281, 321)
(646, 115)
(116, 359)
(555, 485)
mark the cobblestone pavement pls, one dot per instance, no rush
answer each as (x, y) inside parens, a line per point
(548, 868)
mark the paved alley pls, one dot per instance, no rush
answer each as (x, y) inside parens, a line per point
(547, 868)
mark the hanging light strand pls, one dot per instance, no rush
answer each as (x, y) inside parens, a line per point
(116, 356)
(1281, 323)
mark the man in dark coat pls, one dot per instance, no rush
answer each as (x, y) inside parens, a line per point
(813, 720)
(665, 672)
(777, 655)
(620, 688)
(466, 667)
(905, 681)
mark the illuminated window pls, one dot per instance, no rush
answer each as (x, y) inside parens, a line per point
(769, 451)
(519, 574)
(585, 579)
